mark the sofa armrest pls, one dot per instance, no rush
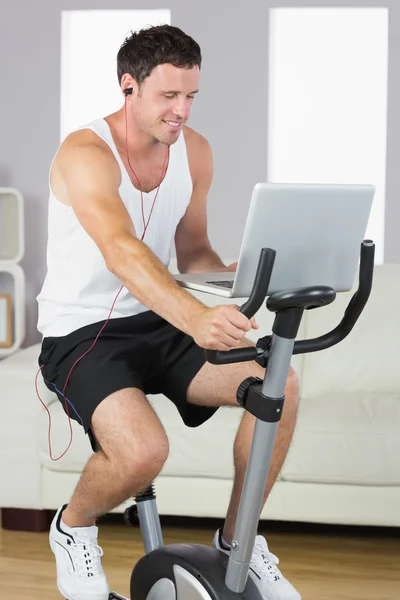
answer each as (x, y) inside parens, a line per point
(20, 469)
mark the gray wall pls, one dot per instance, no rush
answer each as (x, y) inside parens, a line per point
(231, 110)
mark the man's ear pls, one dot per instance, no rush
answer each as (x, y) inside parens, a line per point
(128, 84)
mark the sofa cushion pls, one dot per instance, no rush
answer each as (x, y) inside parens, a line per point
(349, 419)
(21, 360)
(351, 438)
(367, 360)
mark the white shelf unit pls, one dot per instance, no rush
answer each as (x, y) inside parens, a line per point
(12, 239)
(12, 248)
(18, 305)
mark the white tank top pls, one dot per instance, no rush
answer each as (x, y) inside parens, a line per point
(78, 288)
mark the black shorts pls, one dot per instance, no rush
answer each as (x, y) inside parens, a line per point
(142, 351)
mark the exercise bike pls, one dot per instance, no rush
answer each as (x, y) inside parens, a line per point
(198, 572)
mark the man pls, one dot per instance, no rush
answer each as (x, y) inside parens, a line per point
(123, 190)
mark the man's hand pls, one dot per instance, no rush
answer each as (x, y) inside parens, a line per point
(221, 327)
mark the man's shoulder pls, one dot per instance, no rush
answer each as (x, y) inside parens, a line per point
(81, 138)
(83, 152)
(199, 155)
(197, 146)
(80, 144)
(195, 140)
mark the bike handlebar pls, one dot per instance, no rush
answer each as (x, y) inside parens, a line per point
(353, 310)
(260, 292)
(249, 309)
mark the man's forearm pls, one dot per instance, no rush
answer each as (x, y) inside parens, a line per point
(151, 283)
(206, 261)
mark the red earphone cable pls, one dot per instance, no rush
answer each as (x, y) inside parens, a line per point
(145, 226)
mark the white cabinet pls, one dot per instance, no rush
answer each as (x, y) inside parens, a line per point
(12, 277)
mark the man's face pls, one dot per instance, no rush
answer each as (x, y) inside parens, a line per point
(165, 100)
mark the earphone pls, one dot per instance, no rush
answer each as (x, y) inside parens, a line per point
(128, 91)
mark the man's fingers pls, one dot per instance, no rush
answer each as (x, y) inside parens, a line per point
(239, 320)
(229, 326)
(233, 331)
(254, 323)
(228, 334)
(243, 322)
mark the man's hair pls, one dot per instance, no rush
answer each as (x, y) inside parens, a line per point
(144, 50)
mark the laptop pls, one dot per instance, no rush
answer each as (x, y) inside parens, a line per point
(316, 230)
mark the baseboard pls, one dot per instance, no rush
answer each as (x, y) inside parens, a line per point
(22, 519)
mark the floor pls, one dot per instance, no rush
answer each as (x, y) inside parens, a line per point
(323, 563)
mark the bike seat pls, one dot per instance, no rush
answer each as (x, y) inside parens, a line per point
(307, 298)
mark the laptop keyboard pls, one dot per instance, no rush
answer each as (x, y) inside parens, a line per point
(226, 284)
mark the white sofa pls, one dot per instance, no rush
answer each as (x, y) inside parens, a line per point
(343, 465)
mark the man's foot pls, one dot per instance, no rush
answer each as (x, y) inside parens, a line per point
(80, 574)
(263, 570)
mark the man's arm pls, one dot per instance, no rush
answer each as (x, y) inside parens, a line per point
(91, 178)
(193, 248)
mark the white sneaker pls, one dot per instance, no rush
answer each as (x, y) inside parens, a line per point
(263, 570)
(80, 574)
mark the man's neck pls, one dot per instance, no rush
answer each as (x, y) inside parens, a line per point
(140, 145)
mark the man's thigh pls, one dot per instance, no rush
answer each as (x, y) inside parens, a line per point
(216, 385)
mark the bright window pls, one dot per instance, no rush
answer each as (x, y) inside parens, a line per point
(90, 42)
(328, 100)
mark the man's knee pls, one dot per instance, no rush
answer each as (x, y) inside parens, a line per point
(131, 437)
(140, 461)
(292, 382)
(292, 392)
